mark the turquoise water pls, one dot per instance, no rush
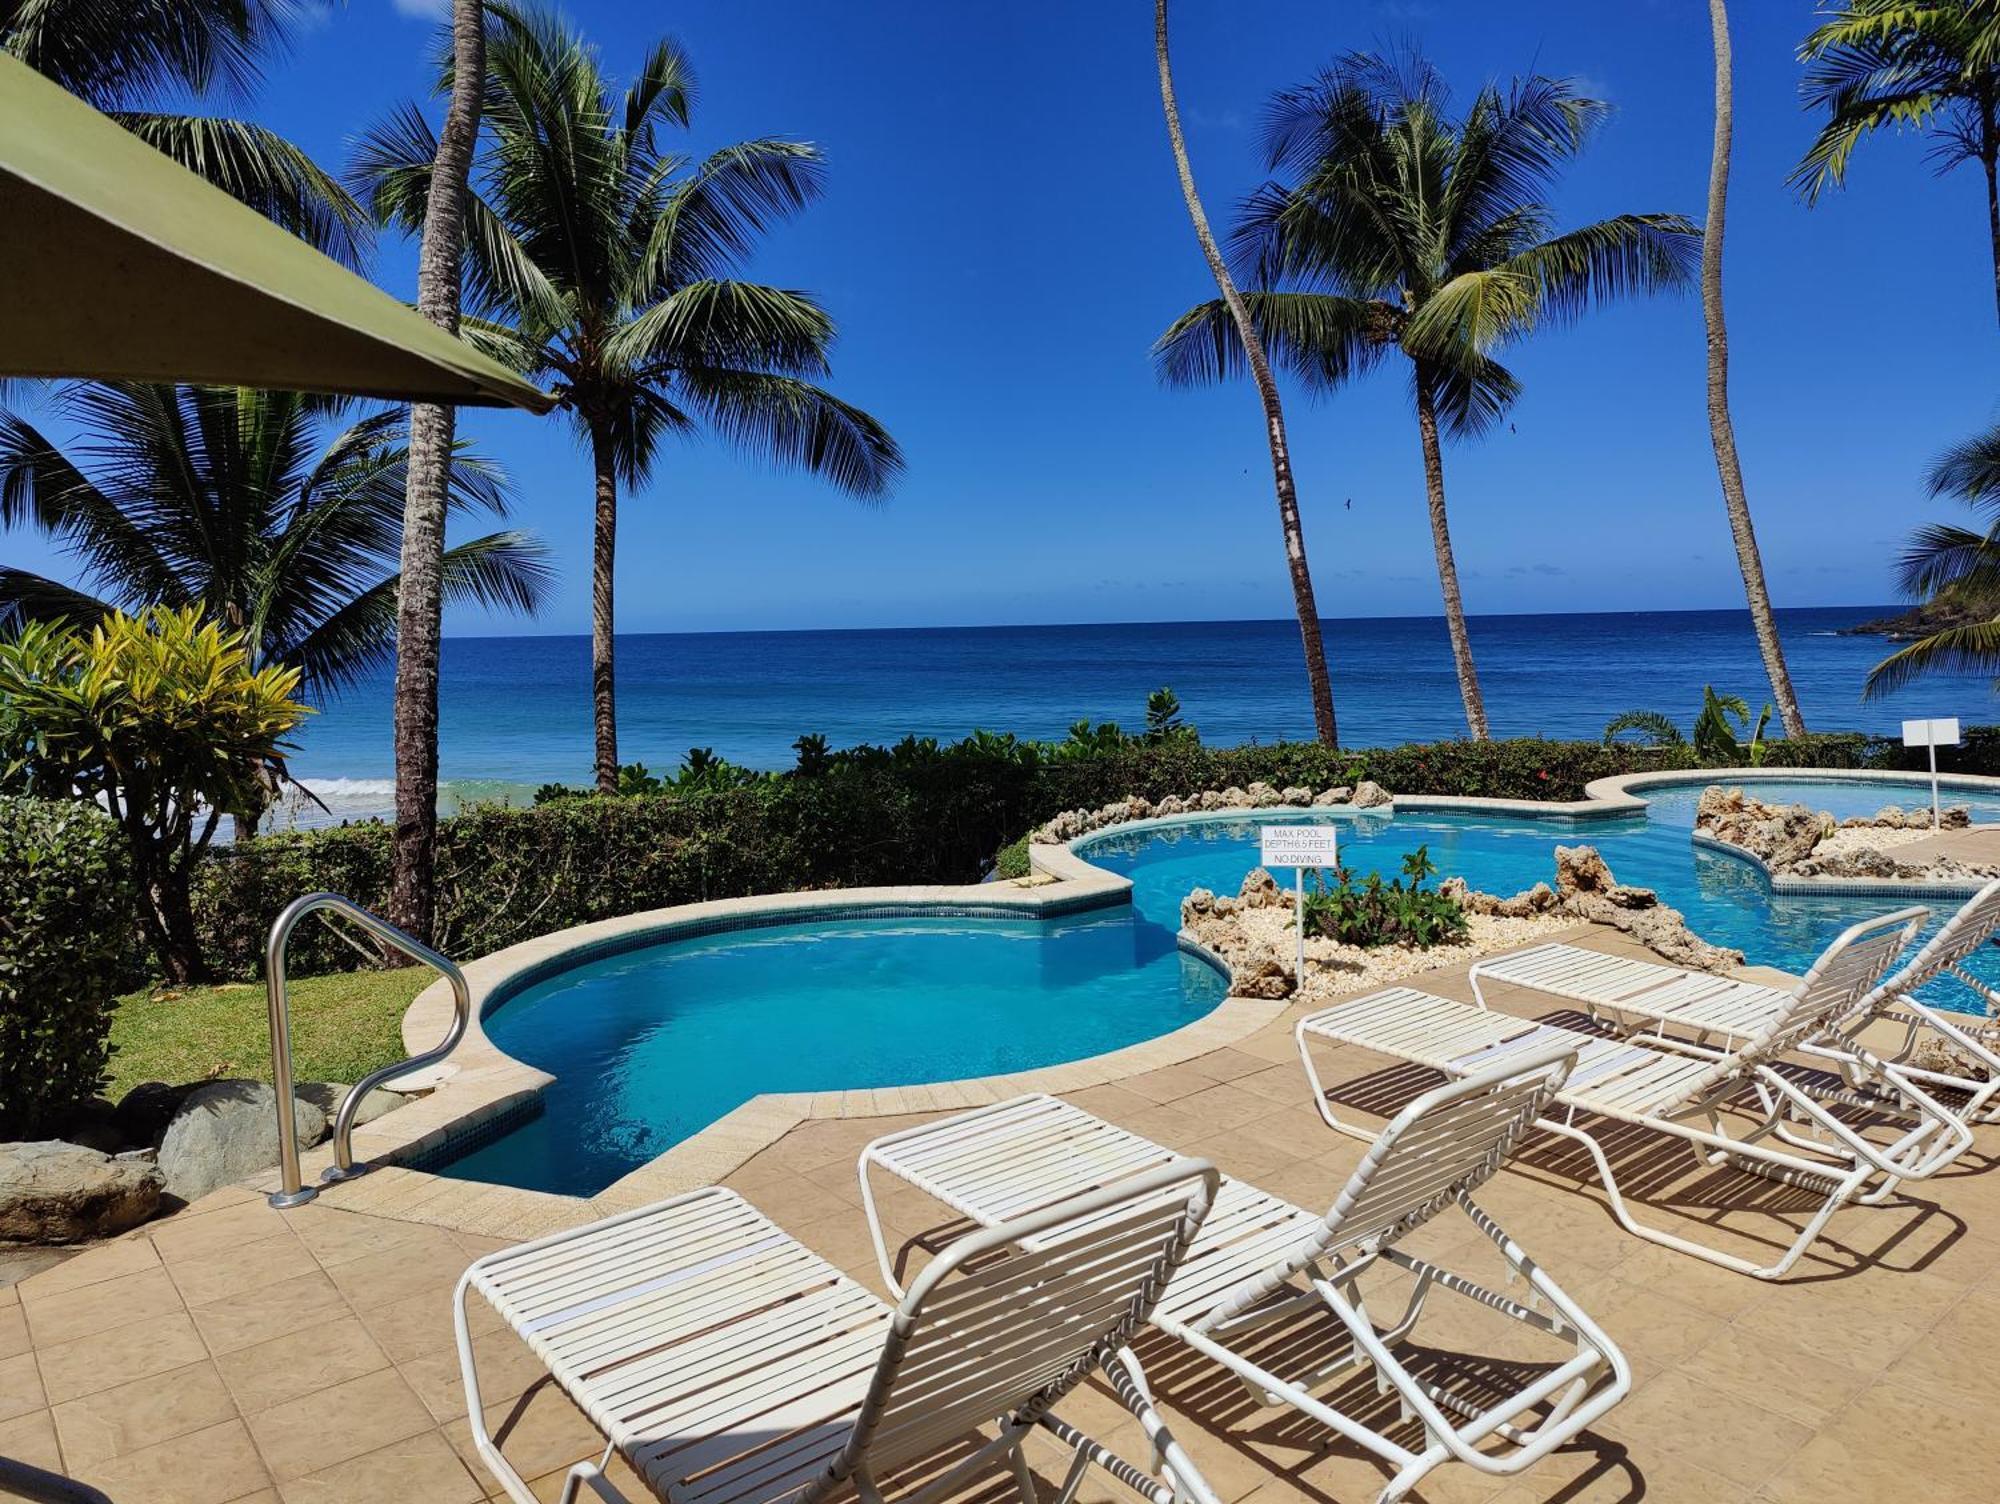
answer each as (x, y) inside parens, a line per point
(650, 1046)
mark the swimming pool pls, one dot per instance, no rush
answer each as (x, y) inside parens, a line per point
(650, 1045)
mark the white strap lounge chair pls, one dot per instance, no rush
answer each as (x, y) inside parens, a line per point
(1631, 993)
(1258, 1259)
(1678, 1088)
(728, 1364)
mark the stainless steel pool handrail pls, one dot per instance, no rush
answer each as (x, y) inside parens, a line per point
(293, 1191)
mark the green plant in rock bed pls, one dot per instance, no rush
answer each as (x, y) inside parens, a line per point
(1371, 912)
(66, 944)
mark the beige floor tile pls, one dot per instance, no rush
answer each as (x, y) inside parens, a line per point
(70, 1314)
(20, 1387)
(423, 1467)
(212, 1466)
(31, 1441)
(288, 1306)
(106, 1261)
(1714, 1428)
(139, 1351)
(1777, 1373)
(1887, 1444)
(218, 1231)
(319, 1357)
(507, 1369)
(237, 1272)
(433, 1263)
(538, 1434)
(112, 1423)
(13, 1332)
(338, 1237)
(319, 1430)
(422, 1322)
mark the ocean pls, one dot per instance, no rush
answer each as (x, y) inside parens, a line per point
(515, 711)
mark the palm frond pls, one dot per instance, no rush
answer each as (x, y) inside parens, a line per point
(1974, 647)
(1321, 339)
(712, 220)
(733, 324)
(26, 596)
(793, 422)
(1969, 470)
(260, 168)
(117, 54)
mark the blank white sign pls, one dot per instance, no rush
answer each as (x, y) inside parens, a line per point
(1934, 733)
(1300, 845)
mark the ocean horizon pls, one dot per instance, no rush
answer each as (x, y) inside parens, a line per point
(515, 711)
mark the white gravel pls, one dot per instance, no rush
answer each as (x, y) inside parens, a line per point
(1333, 970)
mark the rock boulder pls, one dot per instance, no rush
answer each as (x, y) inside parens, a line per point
(1371, 795)
(52, 1192)
(227, 1131)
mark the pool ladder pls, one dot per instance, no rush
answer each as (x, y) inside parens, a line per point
(293, 1192)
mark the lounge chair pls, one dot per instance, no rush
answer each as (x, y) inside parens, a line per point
(727, 1364)
(1680, 1088)
(1258, 1259)
(1630, 993)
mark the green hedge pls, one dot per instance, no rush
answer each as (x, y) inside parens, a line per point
(918, 813)
(67, 943)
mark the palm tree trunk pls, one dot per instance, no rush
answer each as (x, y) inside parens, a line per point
(1454, 604)
(603, 559)
(1989, 159)
(419, 601)
(1267, 392)
(1721, 430)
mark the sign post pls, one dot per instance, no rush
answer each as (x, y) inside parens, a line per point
(1299, 847)
(1933, 734)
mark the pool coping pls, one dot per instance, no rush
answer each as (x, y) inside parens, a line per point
(487, 1092)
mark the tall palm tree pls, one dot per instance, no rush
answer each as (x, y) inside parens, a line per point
(1954, 566)
(1929, 65)
(602, 264)
(123, 55)
(1397, 227)
(1303, 600)
(269, 510)
(1721, 429)
(420, 607)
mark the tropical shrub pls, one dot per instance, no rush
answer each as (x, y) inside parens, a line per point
(1370, 912)
(160, 719)
(66, 945)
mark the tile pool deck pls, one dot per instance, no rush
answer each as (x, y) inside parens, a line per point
(233, 1352)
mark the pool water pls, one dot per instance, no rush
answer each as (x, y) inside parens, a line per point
(650, 1045)
(653, 1044)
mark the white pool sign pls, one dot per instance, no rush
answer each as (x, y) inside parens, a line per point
(1299, 847)
(1940, 732)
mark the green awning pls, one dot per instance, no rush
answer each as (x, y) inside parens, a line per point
(117, 263)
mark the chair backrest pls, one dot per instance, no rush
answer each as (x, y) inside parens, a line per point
(1442, 1147)
(1009, 1319)
(1841, 980)
(1974, 923)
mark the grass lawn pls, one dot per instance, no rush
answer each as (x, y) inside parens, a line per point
(343, 1026)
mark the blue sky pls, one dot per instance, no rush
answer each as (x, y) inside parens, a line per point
(1003, 238)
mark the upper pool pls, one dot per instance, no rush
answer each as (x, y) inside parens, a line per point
(650, 1045)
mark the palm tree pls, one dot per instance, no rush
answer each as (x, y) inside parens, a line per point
(1929, 65)
(1403, 229)
(420, 607)
(1955, 566)
(602, 264)
(1303, 600)
(122, 55)
(257, 507)
(1721, 428)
